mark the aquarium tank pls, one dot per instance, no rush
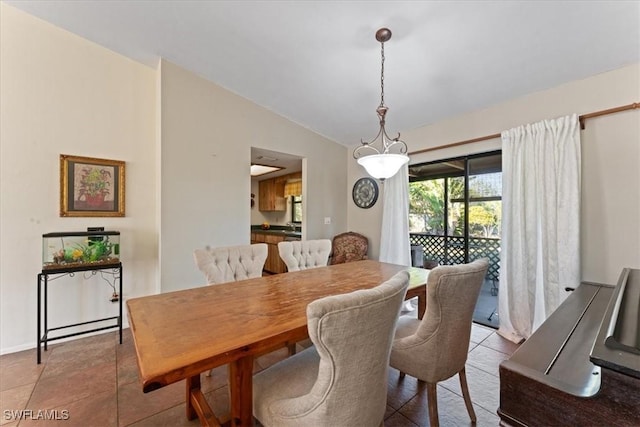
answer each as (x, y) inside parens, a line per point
(80, 249)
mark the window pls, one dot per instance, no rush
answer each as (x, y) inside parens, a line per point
(296, 209)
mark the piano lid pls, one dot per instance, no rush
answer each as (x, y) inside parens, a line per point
(617, 345)
(557, 354)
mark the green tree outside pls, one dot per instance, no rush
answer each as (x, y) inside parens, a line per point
(426, 207)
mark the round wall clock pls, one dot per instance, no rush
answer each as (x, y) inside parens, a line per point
(365, 192)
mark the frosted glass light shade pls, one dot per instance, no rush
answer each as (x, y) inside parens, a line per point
(383, 166)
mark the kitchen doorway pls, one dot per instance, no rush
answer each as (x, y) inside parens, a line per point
(276, 190)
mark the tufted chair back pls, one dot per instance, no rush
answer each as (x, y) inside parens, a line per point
(233, 263)
(349, 246)
(304, 254)
(342, 379)
(435, 348)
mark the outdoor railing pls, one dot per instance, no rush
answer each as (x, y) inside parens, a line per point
(448, 250)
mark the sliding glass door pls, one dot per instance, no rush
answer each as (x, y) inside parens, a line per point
(455, 215)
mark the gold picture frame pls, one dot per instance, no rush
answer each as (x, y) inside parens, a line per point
(91, 187)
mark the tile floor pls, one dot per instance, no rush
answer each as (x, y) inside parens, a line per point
(486, 310)
(95, 380)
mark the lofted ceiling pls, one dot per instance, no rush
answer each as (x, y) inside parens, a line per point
(317, 63)
(288, 162)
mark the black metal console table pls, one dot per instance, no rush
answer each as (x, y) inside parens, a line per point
(44, 278)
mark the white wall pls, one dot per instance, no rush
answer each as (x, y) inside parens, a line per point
(207, 135)
(61, 94)
(610, 235)
(186, 143)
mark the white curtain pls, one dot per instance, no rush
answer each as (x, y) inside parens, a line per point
(394, 236)
(540, 249)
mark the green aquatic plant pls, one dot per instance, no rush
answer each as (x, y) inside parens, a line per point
(89, 251)
(93, 250)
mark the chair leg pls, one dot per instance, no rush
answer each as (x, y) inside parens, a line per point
(432, 399)
(465, 393)
(292, 348)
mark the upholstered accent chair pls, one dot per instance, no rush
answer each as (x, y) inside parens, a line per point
(347, 247)
(436, 347)
(232, 263)
(304, 254)
(342, 379)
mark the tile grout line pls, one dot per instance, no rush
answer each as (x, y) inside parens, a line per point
(35, 384)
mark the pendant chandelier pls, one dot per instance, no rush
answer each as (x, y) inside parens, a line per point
(383, 162)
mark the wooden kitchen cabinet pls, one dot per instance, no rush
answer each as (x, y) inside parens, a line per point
(274, 263)
(271, 195)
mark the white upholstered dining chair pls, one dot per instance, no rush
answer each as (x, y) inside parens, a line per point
(301, 255)
(435, 348)
(342, 379)
(231, 263)
(304, 254)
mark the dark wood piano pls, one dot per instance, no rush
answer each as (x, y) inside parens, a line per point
(582, 366)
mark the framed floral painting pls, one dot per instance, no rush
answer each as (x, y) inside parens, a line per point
(91, 187)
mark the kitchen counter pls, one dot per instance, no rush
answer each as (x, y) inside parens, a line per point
(273, 236)
(276, 230)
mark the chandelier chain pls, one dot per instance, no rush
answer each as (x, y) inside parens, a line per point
(382, 161)
(382, 76)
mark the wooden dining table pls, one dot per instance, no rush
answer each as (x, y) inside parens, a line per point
(178, 335)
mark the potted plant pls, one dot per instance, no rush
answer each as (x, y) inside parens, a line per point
(94, 185)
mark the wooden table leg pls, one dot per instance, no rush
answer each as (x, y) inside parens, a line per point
(422, 305)
(241, 391)
(421, 293)
(197, 405)
(193, 383)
